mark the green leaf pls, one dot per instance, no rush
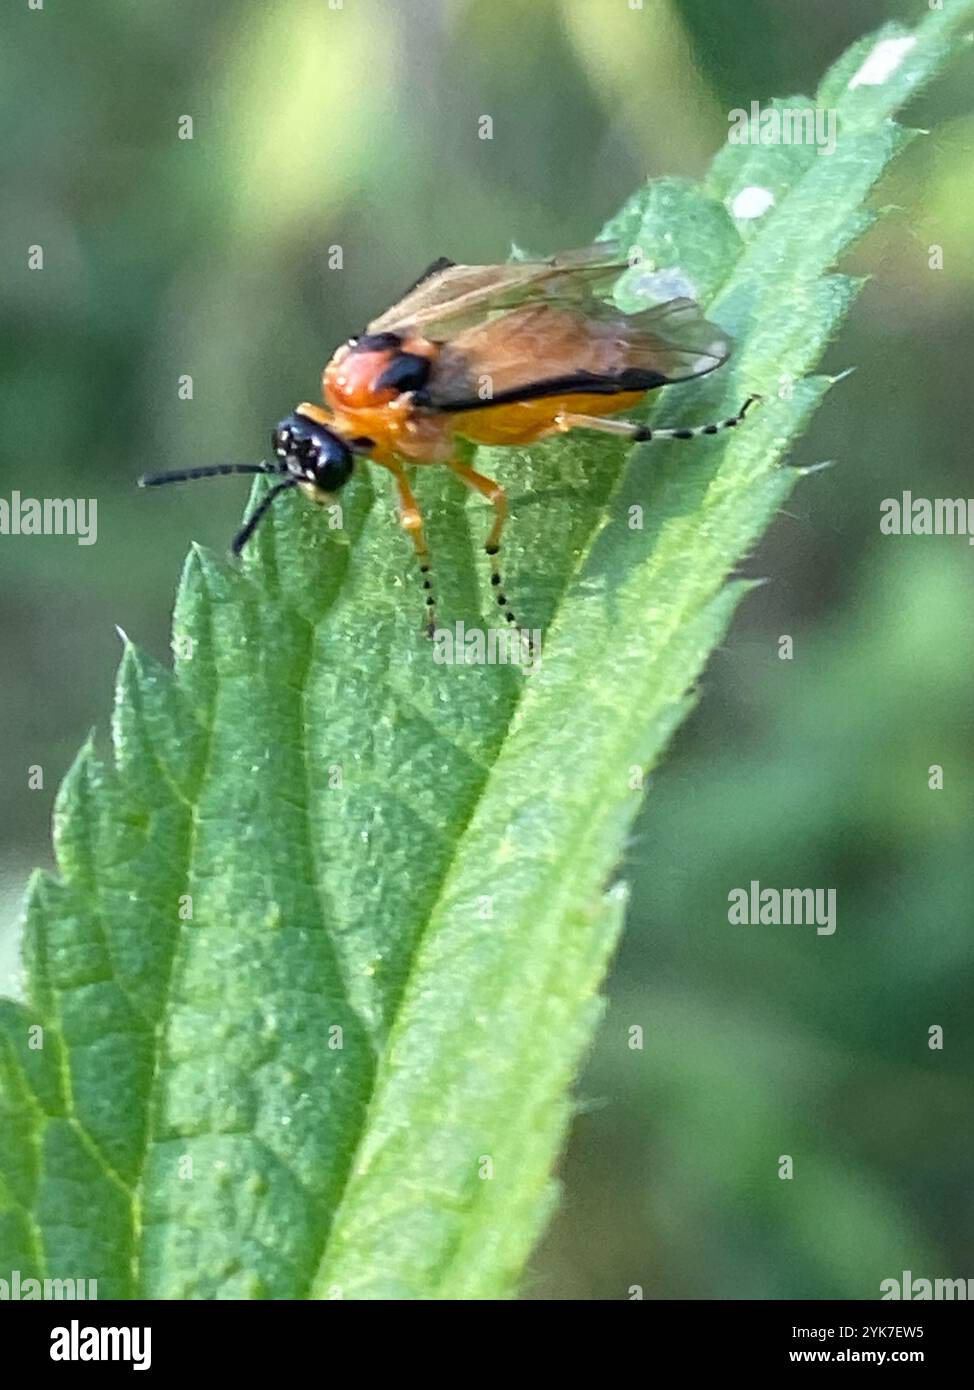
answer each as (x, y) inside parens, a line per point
(330, 924)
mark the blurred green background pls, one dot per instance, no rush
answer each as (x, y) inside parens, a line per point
(357, 127)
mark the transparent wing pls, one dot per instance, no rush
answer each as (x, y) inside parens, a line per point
(540, 350)
(455, 297)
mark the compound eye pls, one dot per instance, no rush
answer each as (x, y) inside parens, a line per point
(312, 453)
(335, 464)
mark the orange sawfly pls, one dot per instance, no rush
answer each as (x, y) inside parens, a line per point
(496, 354)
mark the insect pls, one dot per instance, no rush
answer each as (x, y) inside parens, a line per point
(497, 354)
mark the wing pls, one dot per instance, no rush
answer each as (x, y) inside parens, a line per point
(434, 268)
(542, 350)
(449, 298)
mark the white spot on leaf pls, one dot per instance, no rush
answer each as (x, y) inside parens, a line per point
(882, 62)
(752, 201)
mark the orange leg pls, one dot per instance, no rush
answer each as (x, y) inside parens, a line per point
(497, 497)
(411, 521)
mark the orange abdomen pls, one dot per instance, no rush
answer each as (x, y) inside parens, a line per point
(523, 422)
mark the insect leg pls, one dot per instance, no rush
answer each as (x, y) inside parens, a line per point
(641, 434)
(497, 497)
(411, 521)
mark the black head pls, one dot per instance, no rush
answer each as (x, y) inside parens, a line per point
(312, 453)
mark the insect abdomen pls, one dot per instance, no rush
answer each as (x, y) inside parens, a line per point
(523, 422)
